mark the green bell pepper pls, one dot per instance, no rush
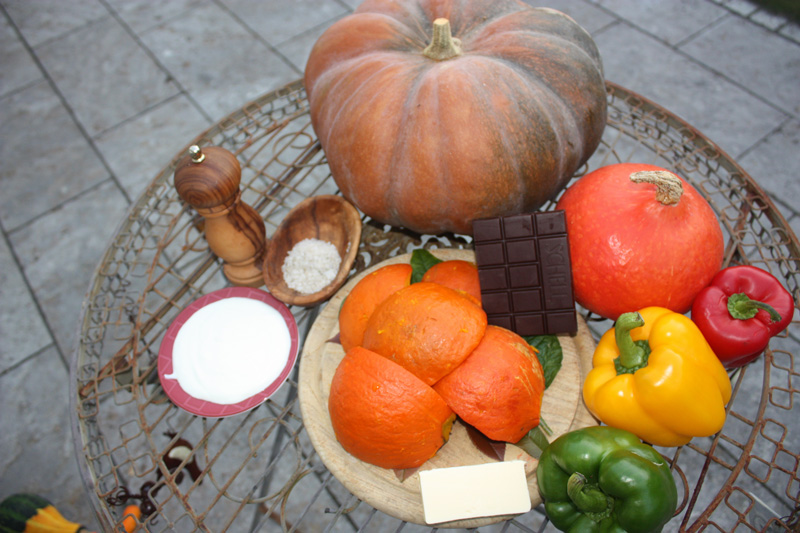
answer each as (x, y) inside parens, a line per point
(603, 479)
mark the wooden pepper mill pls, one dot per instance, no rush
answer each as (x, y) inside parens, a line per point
(208, 180)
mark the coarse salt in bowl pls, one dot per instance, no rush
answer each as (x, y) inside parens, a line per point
(311, 265)
(300, 254)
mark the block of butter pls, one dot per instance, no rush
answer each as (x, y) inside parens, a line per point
(463, 492)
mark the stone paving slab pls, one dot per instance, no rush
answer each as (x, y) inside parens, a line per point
(59, 252)
(672, 22)
(19, 68)
(141, 15)
(42, 20)
(38, 454)
(136, 150)
(114, 82)
(96, 96)
(778, 178)
(297, 49)
(23, 331)
(277, 22)
(755, 58)
(46, 160)
(220, 66)
(713, 105)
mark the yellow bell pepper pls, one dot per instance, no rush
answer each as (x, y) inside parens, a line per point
(655, 375)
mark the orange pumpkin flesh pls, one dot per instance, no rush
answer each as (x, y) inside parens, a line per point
(630, 251)
(384, 415)
(430, 144)
(367, 294)
(498, 389)
(459, 275)
(426, 328)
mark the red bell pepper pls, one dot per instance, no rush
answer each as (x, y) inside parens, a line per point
(739, 311)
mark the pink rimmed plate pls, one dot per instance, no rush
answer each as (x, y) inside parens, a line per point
(207, 408)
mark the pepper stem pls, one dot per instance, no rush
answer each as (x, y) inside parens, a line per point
(587, 498)
(669, 187)
(632, 355)
(742, 307)
(443, 45)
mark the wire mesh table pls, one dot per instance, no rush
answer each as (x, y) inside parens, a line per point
(258, 471)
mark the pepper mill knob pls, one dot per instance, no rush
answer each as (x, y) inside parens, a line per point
(208, 180)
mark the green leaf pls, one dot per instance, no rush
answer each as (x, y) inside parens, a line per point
(549, 354)
(421, 261)
(535, 442)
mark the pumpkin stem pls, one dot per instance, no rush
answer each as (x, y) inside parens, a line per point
(669, 187)
(443, 44)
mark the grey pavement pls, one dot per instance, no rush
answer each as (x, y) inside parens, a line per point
(97, 95)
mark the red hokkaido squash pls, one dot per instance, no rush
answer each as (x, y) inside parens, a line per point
(435, 112)
(458, 275)
(639, 236)
(368, 294)
(498, 389)
(426, 328)
(384, 415)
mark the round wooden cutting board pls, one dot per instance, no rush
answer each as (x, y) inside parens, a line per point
(562, 408)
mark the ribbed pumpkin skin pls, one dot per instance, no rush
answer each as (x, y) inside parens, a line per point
(431, 145)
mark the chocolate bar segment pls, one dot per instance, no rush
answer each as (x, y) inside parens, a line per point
(525, 272)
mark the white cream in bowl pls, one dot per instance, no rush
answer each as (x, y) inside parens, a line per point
(229, 350)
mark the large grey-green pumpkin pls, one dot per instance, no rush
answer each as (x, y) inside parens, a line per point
(434, 113)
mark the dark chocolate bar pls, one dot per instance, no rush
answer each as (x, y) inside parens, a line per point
(525, 272)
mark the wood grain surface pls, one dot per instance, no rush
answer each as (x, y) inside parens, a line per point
(562, 408)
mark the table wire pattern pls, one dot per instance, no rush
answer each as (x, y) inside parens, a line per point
(258, 471)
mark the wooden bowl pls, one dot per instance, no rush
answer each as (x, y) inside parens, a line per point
(328, 218)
